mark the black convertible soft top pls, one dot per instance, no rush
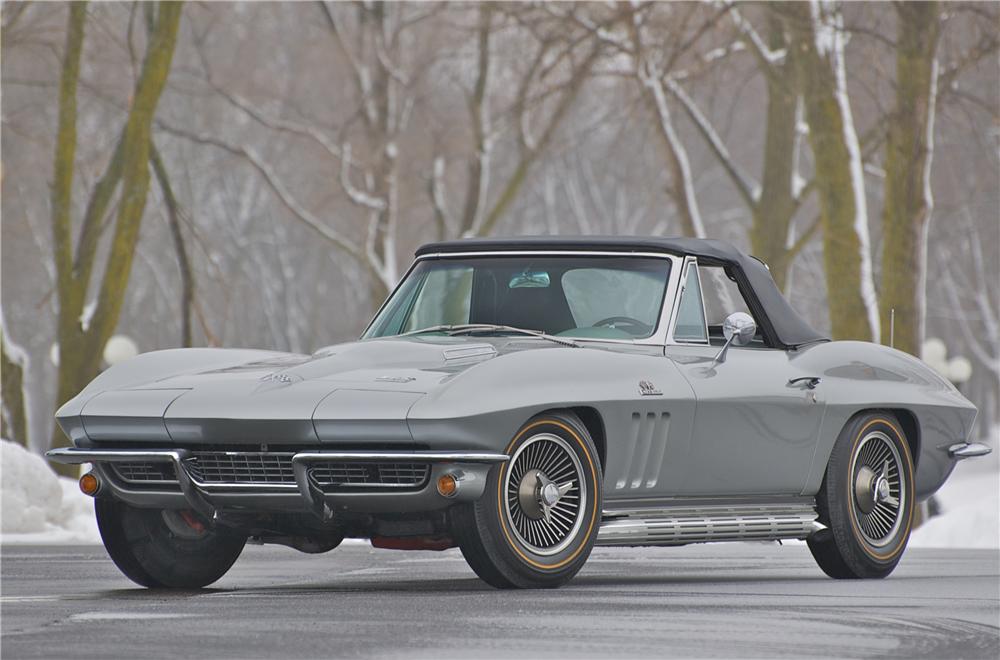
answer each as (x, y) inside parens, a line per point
(782, 324)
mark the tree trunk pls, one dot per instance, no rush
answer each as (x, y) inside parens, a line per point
(13, 416)
(909, 148)
(839, 178)
(82, 340)
(180, 249)
(775, 206)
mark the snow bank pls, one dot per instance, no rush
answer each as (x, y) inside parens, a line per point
(37, 506)
(970, 508)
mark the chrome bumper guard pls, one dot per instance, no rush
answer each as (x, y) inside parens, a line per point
(968, 450)
(198, 495)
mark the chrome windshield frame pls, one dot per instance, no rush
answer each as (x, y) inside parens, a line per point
(665, 319)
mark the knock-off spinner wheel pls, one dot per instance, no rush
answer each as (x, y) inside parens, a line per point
(877, 498)
(866, 499)
(538, 519)
(544, 487)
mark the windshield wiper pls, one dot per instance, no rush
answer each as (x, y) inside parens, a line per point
(468, 328)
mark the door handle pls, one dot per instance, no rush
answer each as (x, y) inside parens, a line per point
(809, 381)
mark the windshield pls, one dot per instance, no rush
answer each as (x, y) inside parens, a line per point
(594, 297)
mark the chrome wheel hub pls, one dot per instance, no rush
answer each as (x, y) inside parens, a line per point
(550, 494)
(544, 494)
(882, 490)
(877, 498)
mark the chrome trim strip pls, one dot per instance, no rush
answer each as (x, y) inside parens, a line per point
(968, 450)
(227, 485)
(689, 262)
(400, 456)
(75, 456)
(681, 525)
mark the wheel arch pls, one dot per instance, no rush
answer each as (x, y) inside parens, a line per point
(908, 425)
(911, 431)
(591, 418)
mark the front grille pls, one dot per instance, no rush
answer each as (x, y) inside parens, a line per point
(229, 467)
(275, 469)
(370, 475)
(145, 472)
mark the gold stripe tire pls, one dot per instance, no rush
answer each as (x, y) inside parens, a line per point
(868, 521)
(536, 523)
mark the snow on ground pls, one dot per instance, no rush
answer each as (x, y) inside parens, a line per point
(969, 505)
(37, 506)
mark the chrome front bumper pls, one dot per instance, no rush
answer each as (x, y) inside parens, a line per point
(470, 469)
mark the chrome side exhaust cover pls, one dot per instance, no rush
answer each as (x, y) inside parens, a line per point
(681, 525)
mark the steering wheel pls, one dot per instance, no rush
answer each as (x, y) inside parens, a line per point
(629, 322)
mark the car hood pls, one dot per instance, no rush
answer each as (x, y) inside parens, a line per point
(363, 387)
(392, 364)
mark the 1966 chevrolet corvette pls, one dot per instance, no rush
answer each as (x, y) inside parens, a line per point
(525, 399)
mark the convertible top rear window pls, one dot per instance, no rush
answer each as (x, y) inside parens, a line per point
(598, 297)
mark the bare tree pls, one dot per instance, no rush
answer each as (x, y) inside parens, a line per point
(818, 38)
(84, 328)
(388, 87)
(906, 212)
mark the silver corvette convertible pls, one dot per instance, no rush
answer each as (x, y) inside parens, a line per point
(525, 400)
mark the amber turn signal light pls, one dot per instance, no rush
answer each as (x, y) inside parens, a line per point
(90, 484)
(447, 485)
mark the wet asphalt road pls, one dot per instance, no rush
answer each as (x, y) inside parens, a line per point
(734, 601)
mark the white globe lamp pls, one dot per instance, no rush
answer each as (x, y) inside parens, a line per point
(933, 351)
(959, 370)
(120, 348)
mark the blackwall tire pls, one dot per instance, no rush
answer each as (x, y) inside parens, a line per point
(165, 549)
(536, 524)
(866, 500)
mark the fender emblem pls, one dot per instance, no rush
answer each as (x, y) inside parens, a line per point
(395, 379)
(277, 378)
(646, 388)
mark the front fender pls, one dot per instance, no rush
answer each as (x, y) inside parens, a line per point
(484, 407)
(858, 376)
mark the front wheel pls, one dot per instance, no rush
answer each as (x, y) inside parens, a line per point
(165, 548)
(537, 521)
(866, 500)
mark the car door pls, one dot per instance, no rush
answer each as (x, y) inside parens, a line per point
(755, 427)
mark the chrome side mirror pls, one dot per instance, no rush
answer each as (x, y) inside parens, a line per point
(739, 328)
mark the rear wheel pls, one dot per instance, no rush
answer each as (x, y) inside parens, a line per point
(537, 521)
(866, 500)
(165, 548)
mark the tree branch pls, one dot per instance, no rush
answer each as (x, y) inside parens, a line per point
(287, 200)
(183, 261)
(742, 182)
